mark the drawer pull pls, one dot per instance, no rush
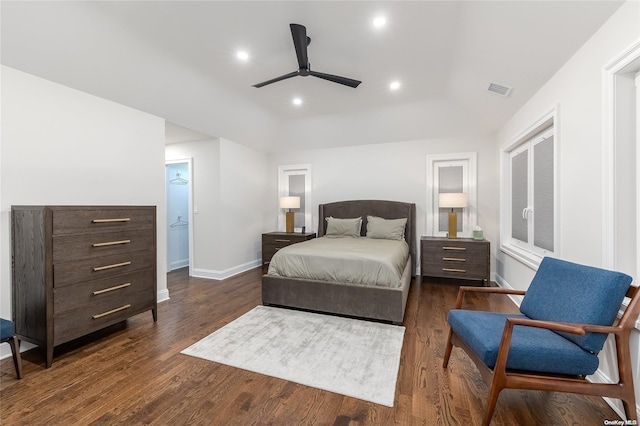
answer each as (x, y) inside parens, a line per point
(121, 219)
(282, 241)
(110, 243)
(455, 259)
(454, 248)
(106, 290)
(115, 265)
(113, 311)
(453, 270)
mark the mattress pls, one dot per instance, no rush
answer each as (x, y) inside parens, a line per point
(353, 260)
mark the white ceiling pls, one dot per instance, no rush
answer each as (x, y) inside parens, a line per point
(176, 59)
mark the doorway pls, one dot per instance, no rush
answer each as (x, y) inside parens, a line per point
(178, 185)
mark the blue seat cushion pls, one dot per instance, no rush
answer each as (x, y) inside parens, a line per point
(7, 329)
(531, 349)
(568, 292)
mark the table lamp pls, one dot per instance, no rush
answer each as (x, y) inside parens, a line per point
(455, 200)
(289, 203)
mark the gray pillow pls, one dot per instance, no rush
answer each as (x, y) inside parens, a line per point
(388, 229)
(343, 227)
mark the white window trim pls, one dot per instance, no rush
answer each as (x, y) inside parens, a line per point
(283, 173)
(610, 74)
(470, 214)
(525, 256)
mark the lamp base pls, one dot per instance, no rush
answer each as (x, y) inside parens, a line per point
(453, 225)
(288, 222)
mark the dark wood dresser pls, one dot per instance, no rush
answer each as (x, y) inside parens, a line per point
(464, 258)
(77, 269)
(274, 241)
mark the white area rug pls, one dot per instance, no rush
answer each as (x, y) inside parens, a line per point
(346, 356)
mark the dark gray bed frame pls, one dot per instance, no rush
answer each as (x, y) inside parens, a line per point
(378, 303)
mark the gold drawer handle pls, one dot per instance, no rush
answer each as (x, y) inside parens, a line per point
(453, 270)
(113, 311)
(454, 248)
(110, 243)
(106, 290)
(282, 241)
(455, 259)
(121, 219)
(115, 265)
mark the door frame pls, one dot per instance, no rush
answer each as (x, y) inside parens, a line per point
(189, 162)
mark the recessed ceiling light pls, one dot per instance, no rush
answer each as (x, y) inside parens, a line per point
(242, 55)
(297, 101)
(394, 85)
(379, 22)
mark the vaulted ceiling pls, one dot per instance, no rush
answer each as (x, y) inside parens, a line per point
(177, 60)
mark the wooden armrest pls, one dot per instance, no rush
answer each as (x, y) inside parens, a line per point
(494, 290)
(550, 325)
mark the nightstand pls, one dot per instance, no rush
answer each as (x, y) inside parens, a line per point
(463, 258)
(274, 241)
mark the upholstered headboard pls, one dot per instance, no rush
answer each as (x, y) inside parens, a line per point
(380, 208)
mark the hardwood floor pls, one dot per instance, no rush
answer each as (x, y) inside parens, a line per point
(133, 373)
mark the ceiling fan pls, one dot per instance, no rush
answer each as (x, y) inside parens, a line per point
(300, 42)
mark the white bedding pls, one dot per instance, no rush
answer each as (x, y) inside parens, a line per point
(366, 261)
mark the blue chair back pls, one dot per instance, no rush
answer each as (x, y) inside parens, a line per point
(568, 292)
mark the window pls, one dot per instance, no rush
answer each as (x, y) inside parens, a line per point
(296, 181)
(446, 174)
(529, 205)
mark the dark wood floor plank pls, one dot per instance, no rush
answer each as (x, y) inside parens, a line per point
(134, 373)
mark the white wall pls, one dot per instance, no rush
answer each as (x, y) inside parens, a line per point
(577, 88)
(230, 182)
(61, 146)
(390, 171)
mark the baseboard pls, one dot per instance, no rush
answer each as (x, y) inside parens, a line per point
(163, 295)
(226, 273)
(177, 264)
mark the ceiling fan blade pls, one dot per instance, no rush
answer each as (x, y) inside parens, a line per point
(273, 80)
(336, 79)
(299, 34)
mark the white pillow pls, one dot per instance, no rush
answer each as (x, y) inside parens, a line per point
(343, 227)
(388, 229)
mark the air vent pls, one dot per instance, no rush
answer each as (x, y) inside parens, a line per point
(499, 89)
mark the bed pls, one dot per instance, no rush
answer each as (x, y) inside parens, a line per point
(375, 302)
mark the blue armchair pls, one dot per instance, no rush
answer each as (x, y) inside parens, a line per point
(7, 335)
(553, 344)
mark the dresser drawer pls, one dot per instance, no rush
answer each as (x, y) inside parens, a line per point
(119, 288)
(70, 221)
(67, 273)
(72, 247)
(94, 316)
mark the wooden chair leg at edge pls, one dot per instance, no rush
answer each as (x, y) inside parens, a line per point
(494, 392)
(15, 351)
(447, 351)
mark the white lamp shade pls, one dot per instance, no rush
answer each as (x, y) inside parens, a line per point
(452, 200)
(289, 202)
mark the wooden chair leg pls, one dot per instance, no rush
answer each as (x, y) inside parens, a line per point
(492, 399)
(15, 351)
(447, 351)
